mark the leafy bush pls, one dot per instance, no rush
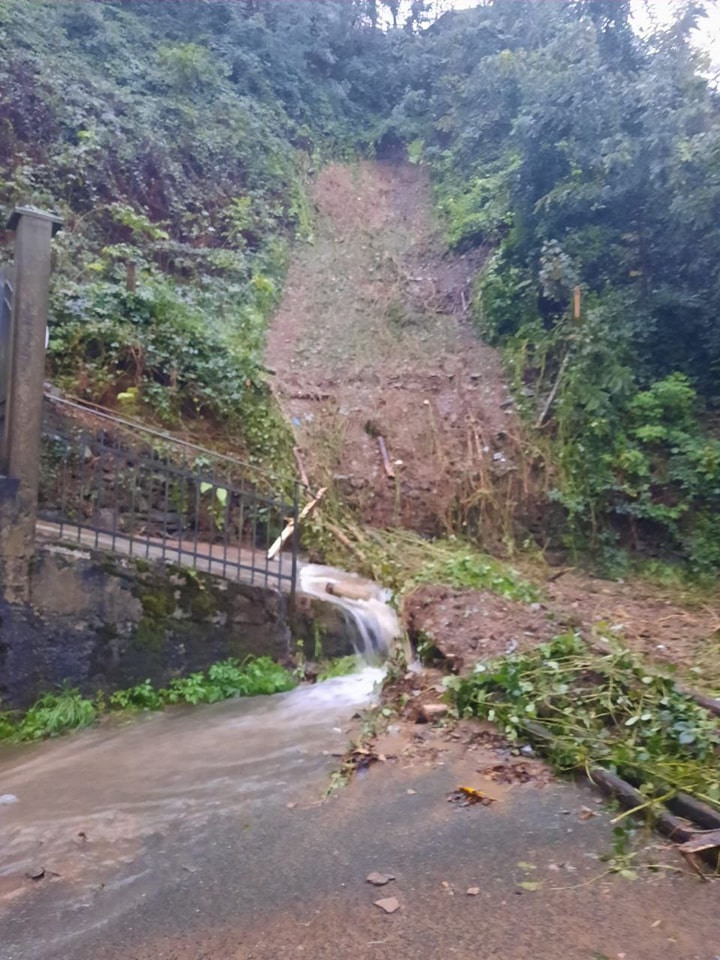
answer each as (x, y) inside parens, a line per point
(158, 343)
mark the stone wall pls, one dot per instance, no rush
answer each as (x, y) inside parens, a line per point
(102, 622)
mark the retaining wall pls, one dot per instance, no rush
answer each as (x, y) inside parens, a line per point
(104, 622)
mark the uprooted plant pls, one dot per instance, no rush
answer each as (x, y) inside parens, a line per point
(600, 709)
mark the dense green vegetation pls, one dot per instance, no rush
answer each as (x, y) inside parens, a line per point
(584, 157)
(178, 135)
(181, 134)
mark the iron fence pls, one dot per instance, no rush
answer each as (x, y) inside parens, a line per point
(6, 301)
(110, 484)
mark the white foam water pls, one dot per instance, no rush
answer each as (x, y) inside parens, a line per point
(369, 608)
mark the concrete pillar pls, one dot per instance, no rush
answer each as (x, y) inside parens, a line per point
(34, 230)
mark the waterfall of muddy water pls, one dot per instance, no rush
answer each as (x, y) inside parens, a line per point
(114, 813)
(364, 601)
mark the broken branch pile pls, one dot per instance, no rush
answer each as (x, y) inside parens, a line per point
(602, 711)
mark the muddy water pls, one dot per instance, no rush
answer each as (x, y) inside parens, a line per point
(89, 807)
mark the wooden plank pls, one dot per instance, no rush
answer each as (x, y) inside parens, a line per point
(290, 527)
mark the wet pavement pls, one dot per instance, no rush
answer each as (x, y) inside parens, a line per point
(202, 835)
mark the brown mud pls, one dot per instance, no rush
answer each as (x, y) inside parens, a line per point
(372, 339)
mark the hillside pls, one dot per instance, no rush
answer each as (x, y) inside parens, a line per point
(575, 169)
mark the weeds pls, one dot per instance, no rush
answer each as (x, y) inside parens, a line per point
(222, 681)
(53, 714)
(601, 709)
(403, 560)
(341, 667)
(59, 713)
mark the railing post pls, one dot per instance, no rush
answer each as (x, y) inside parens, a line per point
(295, 538)
(34, 231)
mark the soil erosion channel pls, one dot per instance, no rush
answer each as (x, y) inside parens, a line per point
(371, 340)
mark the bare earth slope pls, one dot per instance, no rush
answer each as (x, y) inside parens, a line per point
(371, 339)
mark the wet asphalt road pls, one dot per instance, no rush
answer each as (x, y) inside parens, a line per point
(207, 840)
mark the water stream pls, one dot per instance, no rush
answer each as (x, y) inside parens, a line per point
(91, 809)
(366, 603)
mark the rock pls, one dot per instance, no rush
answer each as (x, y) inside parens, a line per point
(430, 712)
(388, 904)
(379, 879)
(7, 799)
(35, 873)
(472, 891)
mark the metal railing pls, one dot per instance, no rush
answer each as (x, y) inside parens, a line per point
(6, 302)
(110, 484)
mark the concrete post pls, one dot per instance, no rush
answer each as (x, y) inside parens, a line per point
(34, 230)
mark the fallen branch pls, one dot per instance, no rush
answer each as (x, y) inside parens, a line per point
(711, 704)
(345, 541)
(679, 830)
(290, 527)
(385, 458)
(301, 466)
(553, 392)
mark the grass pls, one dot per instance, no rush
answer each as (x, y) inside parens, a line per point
(403, 560)
(342, 667)
(54, 714)
(58, 713)
(602, 709)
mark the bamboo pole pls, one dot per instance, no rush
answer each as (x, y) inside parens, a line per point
(290, 527)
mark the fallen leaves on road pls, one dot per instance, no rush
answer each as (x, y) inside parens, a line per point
(468, 796)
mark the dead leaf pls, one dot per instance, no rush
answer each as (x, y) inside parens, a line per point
(379, 879)
(530, 884)
(388, 904)
(472, 891)
(586, 813)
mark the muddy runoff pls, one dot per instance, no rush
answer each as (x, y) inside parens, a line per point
(81, 816)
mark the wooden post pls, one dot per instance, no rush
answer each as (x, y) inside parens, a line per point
(131, 276)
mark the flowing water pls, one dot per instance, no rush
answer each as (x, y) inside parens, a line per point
(365, 602)
(84, 813)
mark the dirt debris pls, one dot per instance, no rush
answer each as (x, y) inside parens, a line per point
(460, 627)
(373, 328)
